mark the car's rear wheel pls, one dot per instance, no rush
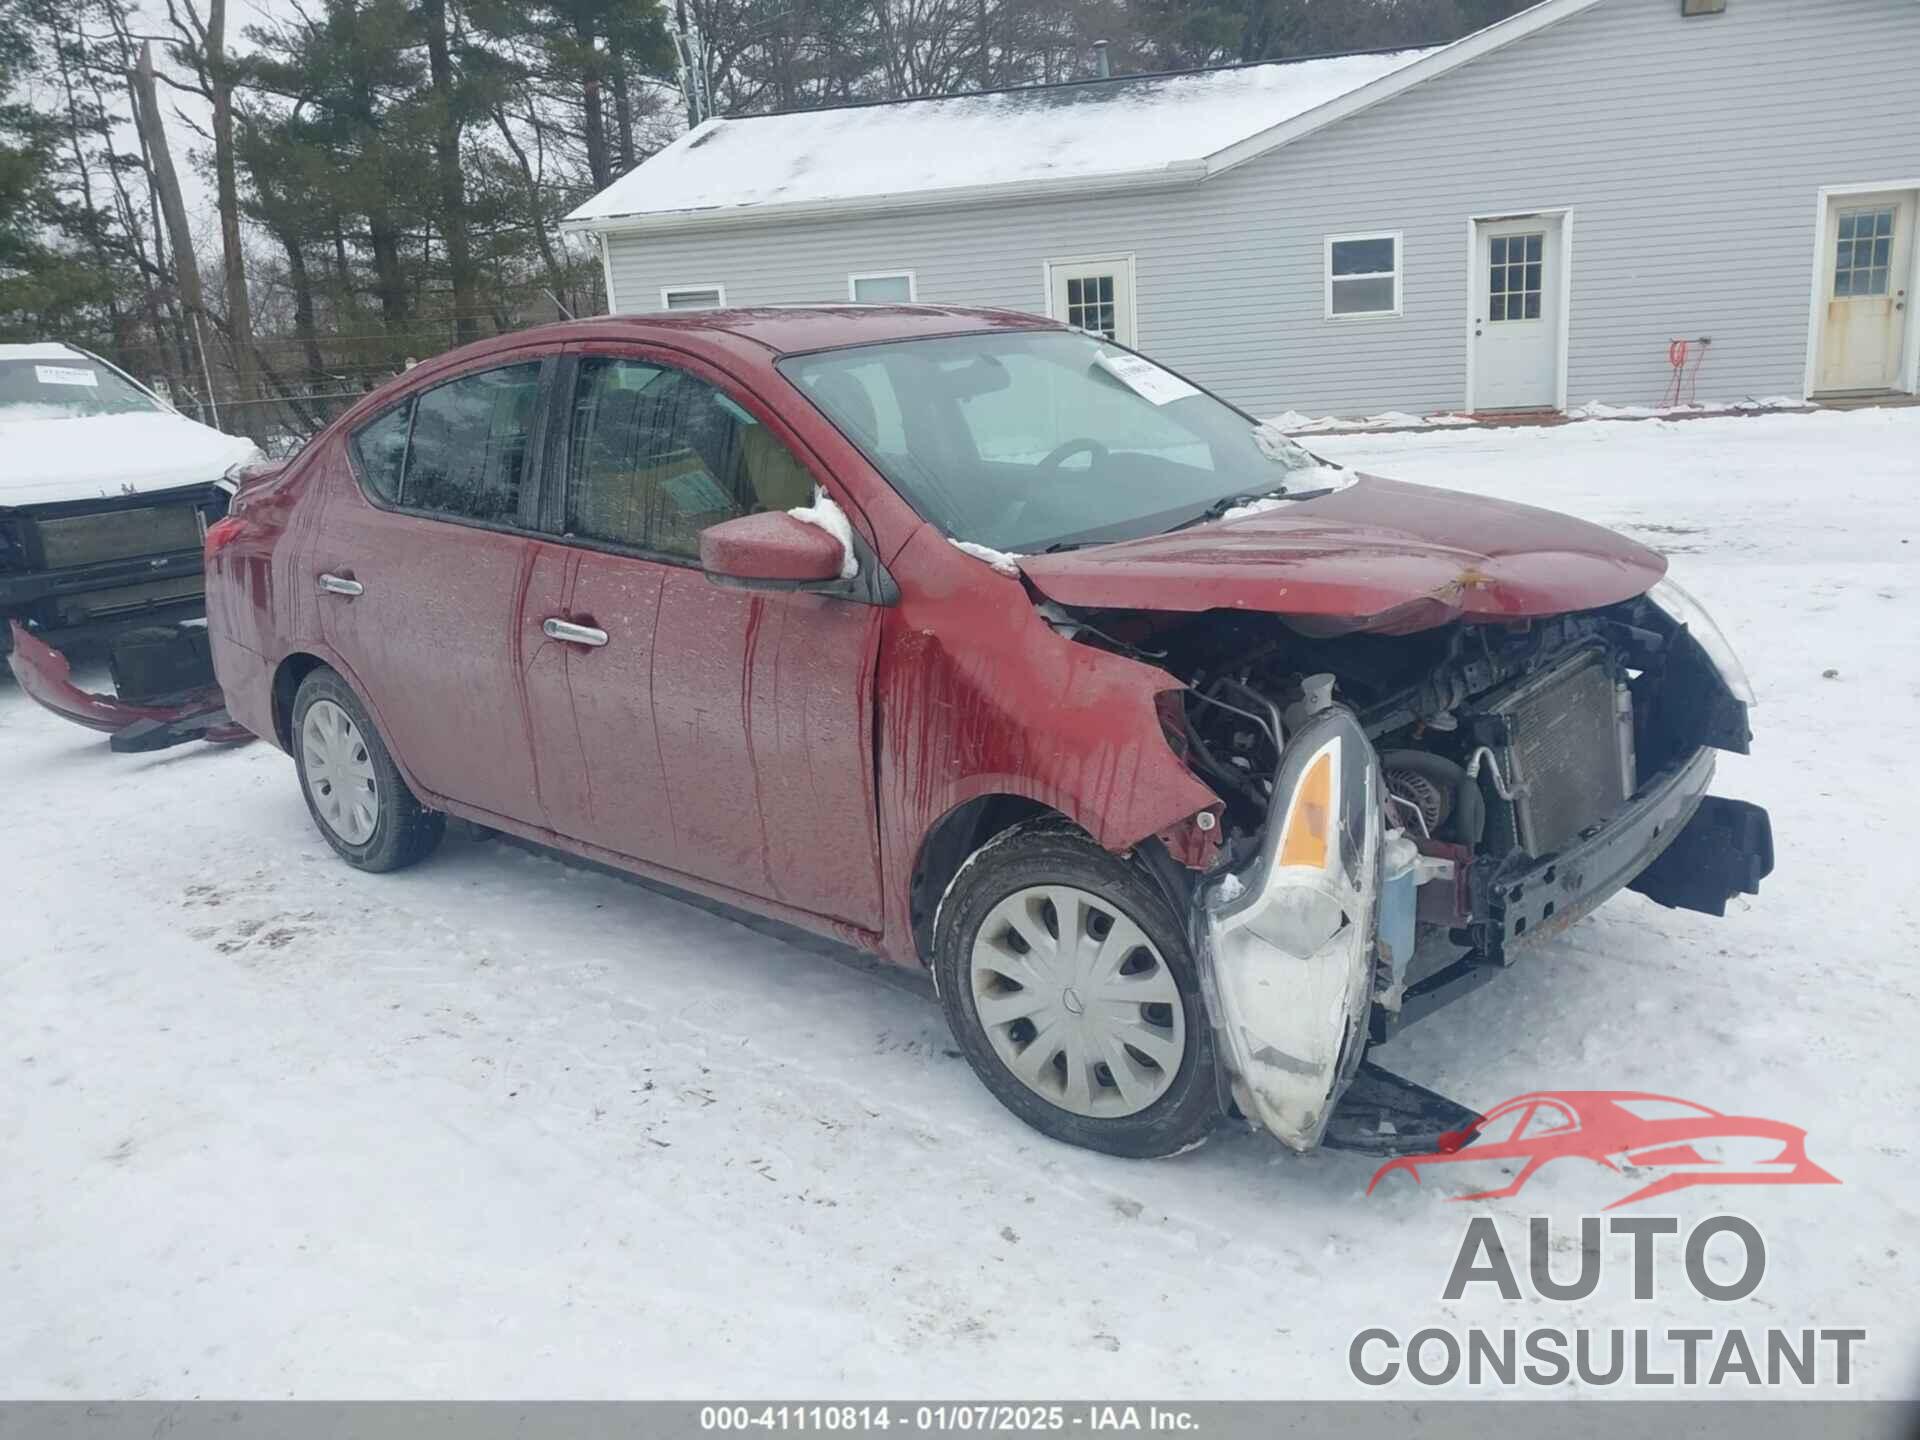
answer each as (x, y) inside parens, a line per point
(1069, 987)
(354, 791)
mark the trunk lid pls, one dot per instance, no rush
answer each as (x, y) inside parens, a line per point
(1381, 556)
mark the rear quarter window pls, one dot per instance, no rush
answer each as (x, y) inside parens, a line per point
(380, 451)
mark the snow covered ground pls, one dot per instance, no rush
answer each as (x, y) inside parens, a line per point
(501, 1126)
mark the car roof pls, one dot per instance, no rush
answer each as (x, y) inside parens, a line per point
(753, 334)
(791, 329)
(785, 329)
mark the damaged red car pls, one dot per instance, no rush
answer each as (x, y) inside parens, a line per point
(1190, 765)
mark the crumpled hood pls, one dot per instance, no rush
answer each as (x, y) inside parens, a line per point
(1381, 555)
(43, 462)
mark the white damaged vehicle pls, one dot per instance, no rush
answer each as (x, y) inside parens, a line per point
(106, 492)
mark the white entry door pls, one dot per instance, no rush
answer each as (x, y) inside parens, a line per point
(1516, 313)
(1867, 265)
(1093, 295)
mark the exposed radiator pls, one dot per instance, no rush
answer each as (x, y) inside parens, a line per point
(1569, 751)
(117, 534)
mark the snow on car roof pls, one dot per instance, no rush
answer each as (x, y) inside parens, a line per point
(1125, 126)
(41, 350)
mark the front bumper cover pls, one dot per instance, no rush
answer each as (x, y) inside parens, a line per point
(46, 677)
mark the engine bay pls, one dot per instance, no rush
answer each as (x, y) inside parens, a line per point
(1499, 745)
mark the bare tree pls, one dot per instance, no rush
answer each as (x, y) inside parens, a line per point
(202, 49)
(166, 184)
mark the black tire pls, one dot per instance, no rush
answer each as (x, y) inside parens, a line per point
(1051, 852)
(405, 832)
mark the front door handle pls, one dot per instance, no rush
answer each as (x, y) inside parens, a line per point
(558, 629)
(341, 585)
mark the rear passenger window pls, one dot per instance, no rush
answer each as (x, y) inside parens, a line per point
(468, 453)
(658, 455)
(381, 449)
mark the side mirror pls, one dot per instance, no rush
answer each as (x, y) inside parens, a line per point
(770, 549)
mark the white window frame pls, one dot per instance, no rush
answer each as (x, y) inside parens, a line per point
(913, 284)
(719, 290)
(1118, 262)
(1399, 274)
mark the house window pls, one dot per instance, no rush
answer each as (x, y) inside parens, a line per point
(890, 287)
(693, 297)
(1090, 304)
(1093, 294)
(1865, 252)
(1703, 7)
(1363, 275)
(1513, 283)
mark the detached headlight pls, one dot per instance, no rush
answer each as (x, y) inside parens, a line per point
(1288, 963)
(1683, 609)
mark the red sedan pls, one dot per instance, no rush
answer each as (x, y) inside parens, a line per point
(1188, 763)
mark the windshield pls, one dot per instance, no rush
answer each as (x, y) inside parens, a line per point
(66, 388)
(1026, 440)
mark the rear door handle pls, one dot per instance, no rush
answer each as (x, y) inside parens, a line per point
(340, 585)
(558, 629)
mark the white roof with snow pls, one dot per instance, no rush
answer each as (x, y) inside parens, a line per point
(42, 350)
(1126, 129)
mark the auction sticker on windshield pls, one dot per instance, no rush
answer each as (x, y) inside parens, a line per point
(1146, 379)
(64, 375)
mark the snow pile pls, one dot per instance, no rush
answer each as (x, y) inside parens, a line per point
(1004, 561)
(1131, 125)
(1293, 422)
(1600, 410)
(828, 516)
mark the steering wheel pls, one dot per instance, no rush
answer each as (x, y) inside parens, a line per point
(1066, 448)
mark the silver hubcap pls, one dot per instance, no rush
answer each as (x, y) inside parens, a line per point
(339, 772)
(1077, 1001)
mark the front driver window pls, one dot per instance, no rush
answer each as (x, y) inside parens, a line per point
(658, 455)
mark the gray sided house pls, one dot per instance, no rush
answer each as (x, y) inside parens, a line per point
(1529, 217)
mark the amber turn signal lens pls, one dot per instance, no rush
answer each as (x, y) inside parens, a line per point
(1304, 842)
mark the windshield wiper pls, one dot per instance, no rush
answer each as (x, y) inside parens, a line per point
(1227, 502)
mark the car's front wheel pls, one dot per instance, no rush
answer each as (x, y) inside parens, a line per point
(354, 791)
(1069, 987)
